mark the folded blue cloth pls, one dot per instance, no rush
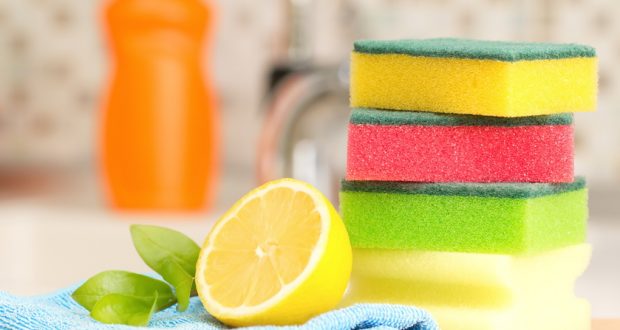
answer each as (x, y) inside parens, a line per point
(59, 311)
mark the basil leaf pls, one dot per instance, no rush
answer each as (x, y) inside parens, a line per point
(120, 309)
(182, 282)
(128, 284)
(171, 254)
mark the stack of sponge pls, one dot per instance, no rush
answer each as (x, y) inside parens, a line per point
(460, 195)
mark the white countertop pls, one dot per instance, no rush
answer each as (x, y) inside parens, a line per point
(43, 248)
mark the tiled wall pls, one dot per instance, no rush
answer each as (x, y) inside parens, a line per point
(52, 64)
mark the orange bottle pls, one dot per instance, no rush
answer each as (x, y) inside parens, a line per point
(159, 119)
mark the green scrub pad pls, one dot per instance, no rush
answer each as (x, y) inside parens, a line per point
(475, 49)
(506, 218)
(366, 116)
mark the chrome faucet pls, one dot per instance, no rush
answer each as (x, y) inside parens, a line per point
(305, 113)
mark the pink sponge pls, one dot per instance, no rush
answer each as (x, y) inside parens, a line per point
(429, 147)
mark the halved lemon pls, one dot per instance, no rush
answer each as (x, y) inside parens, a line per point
(280, 255)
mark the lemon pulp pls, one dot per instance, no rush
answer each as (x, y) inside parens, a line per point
(278, 256)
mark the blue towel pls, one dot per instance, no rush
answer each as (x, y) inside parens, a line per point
(59, 311)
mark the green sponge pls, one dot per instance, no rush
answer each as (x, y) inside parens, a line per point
(506, 218)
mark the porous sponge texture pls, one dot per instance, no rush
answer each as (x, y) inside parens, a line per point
(416, 151)
(489, 87)
(482, 218)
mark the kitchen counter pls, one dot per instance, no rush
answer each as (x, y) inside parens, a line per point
(43, 248)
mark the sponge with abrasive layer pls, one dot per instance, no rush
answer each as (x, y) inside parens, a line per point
(505, 79)
(505, 218)
(429, 147)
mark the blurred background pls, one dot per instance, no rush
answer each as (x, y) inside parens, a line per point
(279, 71)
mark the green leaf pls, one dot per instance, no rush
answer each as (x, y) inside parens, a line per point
(128, 284)
(181, 280)
(120, 309)
(171, 254)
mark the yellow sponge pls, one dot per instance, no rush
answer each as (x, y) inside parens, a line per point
(536, 313)
(473, 77)
(471, 279)
(477, 291)
(554, 313)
